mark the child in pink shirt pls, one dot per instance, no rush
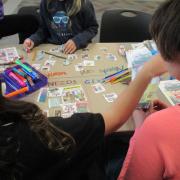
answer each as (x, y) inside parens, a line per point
(155, 147)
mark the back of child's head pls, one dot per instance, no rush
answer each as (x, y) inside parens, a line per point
(165, 29)
(15, 115)
(9, 145)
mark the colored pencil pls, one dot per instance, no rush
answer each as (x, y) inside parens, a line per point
(121, 79)
(114, 76)
(119, 76)
(115, 73)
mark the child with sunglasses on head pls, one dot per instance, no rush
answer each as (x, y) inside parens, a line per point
(69, 22)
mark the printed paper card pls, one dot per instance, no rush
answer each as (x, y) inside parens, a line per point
(111, 57)
(88, 63)
(98, 88)
(72, 94)
(36, 66)
(82, 107)
(57, 112)
(54, 102)
(42, 95)
(55, 92)
(171, 90)
(110, 97)
(8, 54)
(79, 67)
(49, 62)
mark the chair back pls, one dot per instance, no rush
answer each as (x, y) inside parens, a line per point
(30, 10)
(120, 25)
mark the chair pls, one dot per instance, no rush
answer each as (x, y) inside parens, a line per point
(30, 10)
(32, 13)
(124, 26)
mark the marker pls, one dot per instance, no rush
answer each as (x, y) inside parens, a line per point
(30, 81)
(15, 93)
(21, 73)
(11, 85)
(12, 75)
(10, 82)
(21, 78)
(23, 65)
(29, 73)
(27, 68)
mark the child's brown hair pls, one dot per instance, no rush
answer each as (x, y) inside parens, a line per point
(165, 29)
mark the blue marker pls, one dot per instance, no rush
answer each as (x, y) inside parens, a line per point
(10, 82)
(29, 73)
(34, 73)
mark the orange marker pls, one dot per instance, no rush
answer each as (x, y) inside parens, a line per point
(15, 93)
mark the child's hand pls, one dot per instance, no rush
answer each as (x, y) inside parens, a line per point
(157, 105)
(28, 44)
(139, 115)
(70, 47)
(155, 67)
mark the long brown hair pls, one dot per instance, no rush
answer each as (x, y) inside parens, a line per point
(14, 112)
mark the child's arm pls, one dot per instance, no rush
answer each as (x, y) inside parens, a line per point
(42, 33)
(123, 107)
(89, 24)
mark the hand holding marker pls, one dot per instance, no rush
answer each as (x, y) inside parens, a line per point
(28, 45)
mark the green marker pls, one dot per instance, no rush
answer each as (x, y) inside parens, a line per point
(23, 65)
(28, 69)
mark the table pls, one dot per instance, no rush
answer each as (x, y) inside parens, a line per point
(65, 75)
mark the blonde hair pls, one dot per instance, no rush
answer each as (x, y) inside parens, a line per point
(73, 9)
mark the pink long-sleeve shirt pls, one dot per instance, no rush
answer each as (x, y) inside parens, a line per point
(154, 152)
